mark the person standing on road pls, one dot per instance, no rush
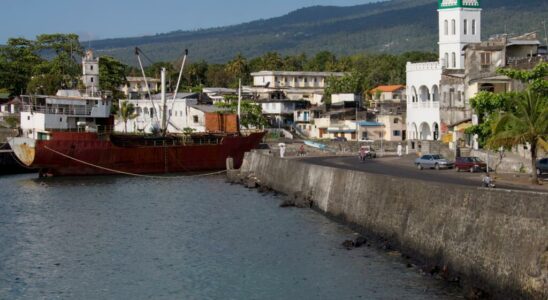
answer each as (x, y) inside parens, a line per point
(400, 150)
(487, 182)
(282, 149)
(301, 151)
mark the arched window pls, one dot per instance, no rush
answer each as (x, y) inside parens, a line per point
(152, 113)
(453, 27)
(145, 111)
(473, 27)
(446, 62)
(446, 27)
(454, 59)
(465, 27)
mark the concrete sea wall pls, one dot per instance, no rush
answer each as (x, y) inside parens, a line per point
(493, 239)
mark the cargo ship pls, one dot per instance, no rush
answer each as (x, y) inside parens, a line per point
(86, 153)
(74, 134)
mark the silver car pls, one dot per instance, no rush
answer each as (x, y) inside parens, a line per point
(433, 161)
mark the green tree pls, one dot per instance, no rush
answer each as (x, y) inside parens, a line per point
(526, 122)
(351, 83)
(271, 61)
(322, 61)
(295, 62)
(60, 72)
(488, 105)
(17, 60)
(126, 113)
(237, 69)
(196, 73)
(251, 113)
(217, 76)
(112, 76)
(155, 71)
(514, 118)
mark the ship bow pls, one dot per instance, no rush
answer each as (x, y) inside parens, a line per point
(24, 149)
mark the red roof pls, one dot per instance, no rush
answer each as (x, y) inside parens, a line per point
(387, 88)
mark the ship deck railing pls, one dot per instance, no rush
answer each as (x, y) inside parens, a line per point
(59, 110)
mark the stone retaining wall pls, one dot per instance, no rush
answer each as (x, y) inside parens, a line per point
(493, 239)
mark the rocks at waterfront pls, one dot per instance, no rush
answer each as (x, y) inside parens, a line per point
(298, 200)
(356, 243)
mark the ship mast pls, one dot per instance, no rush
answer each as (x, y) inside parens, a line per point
(164, 103)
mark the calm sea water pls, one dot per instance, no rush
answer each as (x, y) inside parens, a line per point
(132, 238)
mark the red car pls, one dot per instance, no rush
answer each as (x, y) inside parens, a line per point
(471, 164)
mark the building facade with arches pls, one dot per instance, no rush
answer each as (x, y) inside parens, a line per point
(459, 25)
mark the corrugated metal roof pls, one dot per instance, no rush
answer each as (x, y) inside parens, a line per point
(370, 124)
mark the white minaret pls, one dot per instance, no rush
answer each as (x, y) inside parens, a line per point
(90, 71)
(459, 25)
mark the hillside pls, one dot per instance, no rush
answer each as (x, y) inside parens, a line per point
(393, 27)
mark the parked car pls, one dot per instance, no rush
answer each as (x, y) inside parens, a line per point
(367, 152)
(339, 139)
(472, 164)
(542, 166)
(435, 161)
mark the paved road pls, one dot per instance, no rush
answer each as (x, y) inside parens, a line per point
(403, 167)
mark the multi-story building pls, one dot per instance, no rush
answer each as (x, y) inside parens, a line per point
(388, 99)
(480, 74)
(283, 85)
(136, 87)
(459, 25)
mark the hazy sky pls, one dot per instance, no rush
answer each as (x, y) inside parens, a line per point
(96, 19)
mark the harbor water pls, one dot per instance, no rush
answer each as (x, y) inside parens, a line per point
(188, 238)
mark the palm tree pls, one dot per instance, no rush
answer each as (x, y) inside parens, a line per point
(527, 122)
(127, 112)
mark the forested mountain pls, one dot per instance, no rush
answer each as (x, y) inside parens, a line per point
(385, 27)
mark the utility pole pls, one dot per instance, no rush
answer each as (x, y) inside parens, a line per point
(545, 35)
(357, 126)
(164, 103)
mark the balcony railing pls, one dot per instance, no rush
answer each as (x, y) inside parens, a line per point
(59, 110)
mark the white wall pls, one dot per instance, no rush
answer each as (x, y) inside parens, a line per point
(180, 116)
(454, 43)
(422, 112)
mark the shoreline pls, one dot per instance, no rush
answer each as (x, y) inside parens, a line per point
(480, 260)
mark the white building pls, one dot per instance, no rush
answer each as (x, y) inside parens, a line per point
(459, 25)
(90, 71)
(136, 87)
(180, 114)
(281, 85)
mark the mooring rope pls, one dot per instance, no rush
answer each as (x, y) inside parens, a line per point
(128, 173)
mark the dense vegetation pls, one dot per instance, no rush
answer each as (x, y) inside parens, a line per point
(515, 118)
(385, 27)
(365, 71)
(24, 68)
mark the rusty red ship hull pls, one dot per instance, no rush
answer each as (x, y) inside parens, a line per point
(72, 153)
